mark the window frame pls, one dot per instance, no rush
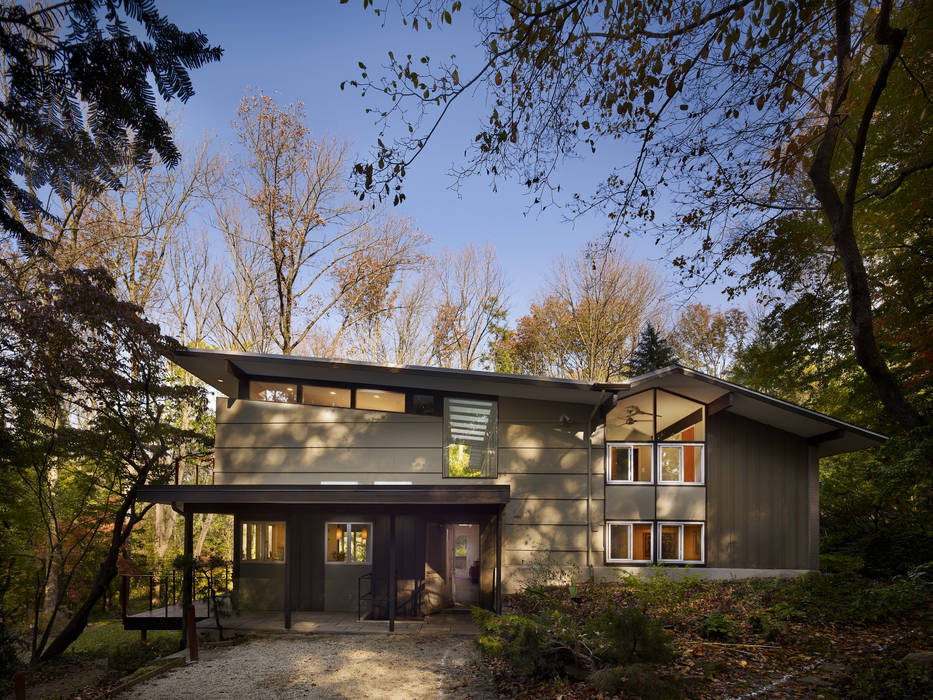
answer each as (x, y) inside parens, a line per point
(347, 524)
(630, 535)
(680, 480)
(630, 445)
(493, 450)
(679, 524)
(263, 524)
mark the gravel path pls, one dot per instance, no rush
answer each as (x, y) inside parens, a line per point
(329, 666)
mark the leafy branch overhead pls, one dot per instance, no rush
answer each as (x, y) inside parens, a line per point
(78, 103)
(736, 113)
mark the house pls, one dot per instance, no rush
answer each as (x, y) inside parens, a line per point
(356, 486)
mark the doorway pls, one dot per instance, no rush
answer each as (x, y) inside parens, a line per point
(464, 568)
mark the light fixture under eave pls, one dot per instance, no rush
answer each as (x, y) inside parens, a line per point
(221, 381)
(333, 393)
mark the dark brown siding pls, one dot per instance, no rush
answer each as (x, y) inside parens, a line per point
(757, 478)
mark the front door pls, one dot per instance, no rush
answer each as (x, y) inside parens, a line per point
(464, 563)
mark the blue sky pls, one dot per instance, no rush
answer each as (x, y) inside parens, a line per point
(303, 50)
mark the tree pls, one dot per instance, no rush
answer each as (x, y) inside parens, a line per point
(472, 301)
(652, 352)
(87, 418)
(78, 103)
(586, 323)
(709, 340)
(726, 102)
(304, 230)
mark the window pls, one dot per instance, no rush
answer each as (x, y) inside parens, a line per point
(679, 419)
(470, 438)
(681, 542)
(262, 542)
(632, 419)
(380, 400)
(629, 542)
(422, 404)
(278, 392)
(325, 396)
(680, 464)
(630, 463)
(348, 543)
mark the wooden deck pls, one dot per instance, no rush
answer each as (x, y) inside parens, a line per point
(164, 618)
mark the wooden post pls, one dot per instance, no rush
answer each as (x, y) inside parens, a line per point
(187, 584)
(191, 626)
(287, 595)
(497, 595)
(393, 584)
(19, 680)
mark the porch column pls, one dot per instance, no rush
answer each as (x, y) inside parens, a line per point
(497, 602)
(287, 596)
(187, 583)
(393, 584)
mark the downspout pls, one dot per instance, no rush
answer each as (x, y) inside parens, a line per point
(589, 484)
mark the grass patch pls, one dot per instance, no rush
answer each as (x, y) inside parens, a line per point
(102, 639)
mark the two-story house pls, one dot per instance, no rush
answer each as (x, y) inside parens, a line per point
(432, 487)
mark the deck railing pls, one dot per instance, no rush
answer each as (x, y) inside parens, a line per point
(160, 592)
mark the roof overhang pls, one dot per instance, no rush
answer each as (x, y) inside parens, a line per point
(210, 495)
(225, 370)
(829, 435)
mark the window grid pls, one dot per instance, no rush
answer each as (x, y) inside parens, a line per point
(699, 463)
(627, 528)
(610, 447)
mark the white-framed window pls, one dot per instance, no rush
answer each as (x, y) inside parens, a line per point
(630, 463)
(262, 541)
(629, 542)
(681, 464)
(681, 543)
(348, 543)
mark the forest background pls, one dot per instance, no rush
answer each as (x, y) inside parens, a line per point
(264, 245)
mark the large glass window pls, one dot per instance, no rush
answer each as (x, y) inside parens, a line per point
(262, 542)
(470, 438)
(680, 464)
(278, 392)
(348, 543)
(679, 419)
(629, 542)
(630, 463)
(325, 396)
(380, 400)
(681, 542)
(632, 419)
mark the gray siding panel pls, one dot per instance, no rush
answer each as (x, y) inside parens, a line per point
(629, 502)
(757, 484)
(545, 511)
(681, 503)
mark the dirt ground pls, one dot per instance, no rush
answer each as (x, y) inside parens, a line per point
(329, 666)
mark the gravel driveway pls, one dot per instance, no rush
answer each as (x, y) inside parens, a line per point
(329, 666)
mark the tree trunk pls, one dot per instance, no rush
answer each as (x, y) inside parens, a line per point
(205, 526)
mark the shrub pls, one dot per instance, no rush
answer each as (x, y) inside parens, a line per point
(893, 680)
(717, 627)
(640, 680)
(525, 643)
(772, 630)
(624, 635)
(128, 657)
(849, 598)
(657, 590)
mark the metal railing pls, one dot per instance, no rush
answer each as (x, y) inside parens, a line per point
(157, 592)
(410, 607)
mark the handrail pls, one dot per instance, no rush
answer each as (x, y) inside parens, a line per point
(163, 588)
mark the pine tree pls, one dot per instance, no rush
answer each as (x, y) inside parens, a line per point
(652, 352)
